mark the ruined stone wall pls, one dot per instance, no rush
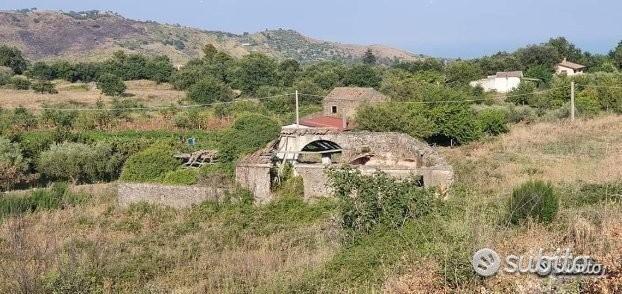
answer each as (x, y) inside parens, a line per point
(173, 196)
(315, 181)
(256, 178)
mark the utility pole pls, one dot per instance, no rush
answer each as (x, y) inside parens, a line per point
(297, 112)
(572, 100)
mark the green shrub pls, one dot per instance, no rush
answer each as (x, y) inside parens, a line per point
(55, 197)
(149, 164)
(181, 177)
(43, 87)
(380, 200)
(80, 163)
(455, 123)
(249, 132)
(587, 103)
(20, 83)
(111, 85)
(4, 79)
(209, 90)
(535, 200)
(396, 117)
(493, 121)
(13, 165)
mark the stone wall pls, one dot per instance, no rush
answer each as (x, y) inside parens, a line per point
(256, 178)
(173, 196)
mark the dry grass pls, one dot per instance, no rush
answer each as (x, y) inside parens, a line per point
(147, 93)
(564, 153)
(559, 152)
(155, 249)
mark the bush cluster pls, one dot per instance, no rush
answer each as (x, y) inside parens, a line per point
(533, 200)
(366, 202)
(57, 196)
(150, 164)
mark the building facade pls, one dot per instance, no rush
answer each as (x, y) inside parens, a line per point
(569, 68)
(344, 101)
(502, 82)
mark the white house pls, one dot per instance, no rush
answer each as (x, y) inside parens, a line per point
(502, 82)
(569, 68)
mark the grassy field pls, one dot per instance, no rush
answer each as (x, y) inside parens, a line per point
(291, 246)
(147, 93)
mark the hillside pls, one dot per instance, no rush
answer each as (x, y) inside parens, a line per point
(90, 35)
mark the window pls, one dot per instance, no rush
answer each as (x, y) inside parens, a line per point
(333, 109)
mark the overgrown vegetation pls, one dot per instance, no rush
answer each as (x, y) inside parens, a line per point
(57, 196)
(535, 200)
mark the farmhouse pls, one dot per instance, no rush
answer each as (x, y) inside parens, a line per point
(502, 82)
(313, 151)
(569, 68)
(343, 101)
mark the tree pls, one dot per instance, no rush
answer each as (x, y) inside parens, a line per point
(111, 85)
(256, 70)
(523, 94)
(159, 69)
(80, 163)
(42, 71)
(534, 55)
(13, 166)
(210, 90)
(462, 72)
(209, 51)
(369, 58)
(289, 70)
(565, 49)
(363, 75)
(616, 55)
(12, 57)
(411, 119)
(541, 72)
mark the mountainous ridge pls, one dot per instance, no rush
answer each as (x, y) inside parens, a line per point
(89, 35)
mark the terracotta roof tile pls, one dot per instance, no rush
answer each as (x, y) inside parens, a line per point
(355, 93)
(324, 122)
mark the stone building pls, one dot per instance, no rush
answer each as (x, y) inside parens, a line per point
(312, 151)
(343, 101)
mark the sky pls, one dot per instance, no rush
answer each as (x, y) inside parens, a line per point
(441, 28)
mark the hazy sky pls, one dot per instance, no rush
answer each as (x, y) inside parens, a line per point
(458, 28)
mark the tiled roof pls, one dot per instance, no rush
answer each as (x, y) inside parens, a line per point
(568, 64)
(509, 74)
(323, 122)
(355, 93)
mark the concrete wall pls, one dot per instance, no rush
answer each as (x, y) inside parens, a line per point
(173, 196)
(500, 85)
(256, 178)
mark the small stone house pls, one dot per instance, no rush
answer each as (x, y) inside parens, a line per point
(344, 101)
(569, 68)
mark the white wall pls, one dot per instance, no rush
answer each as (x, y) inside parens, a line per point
(501, 85)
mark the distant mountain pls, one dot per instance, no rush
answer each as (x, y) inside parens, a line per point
(91, 35)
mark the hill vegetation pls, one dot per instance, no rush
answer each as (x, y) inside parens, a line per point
(92, 35)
